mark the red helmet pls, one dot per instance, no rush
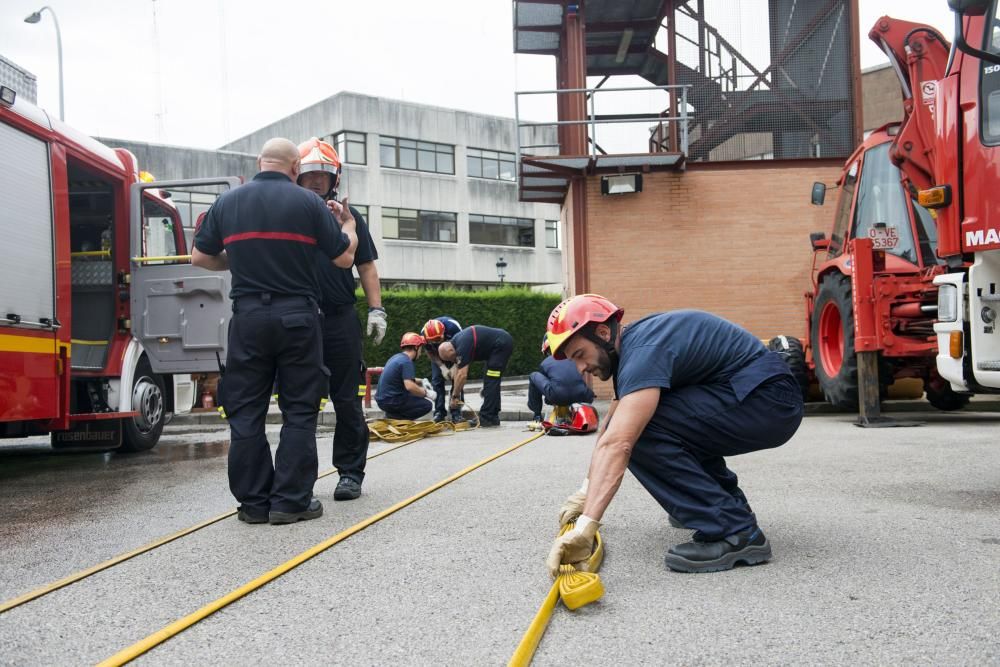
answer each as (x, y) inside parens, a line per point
(433, 331)
(316, 155)
(585, 419)
(411, 339)
(575, 313)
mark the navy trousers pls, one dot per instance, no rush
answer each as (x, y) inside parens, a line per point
(271, 335)
(679, 458)
(437, 381)
(496, 363)
(342, 347)
(540, 386)
(407, 407)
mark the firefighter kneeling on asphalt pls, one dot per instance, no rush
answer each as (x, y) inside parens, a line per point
(690, 389)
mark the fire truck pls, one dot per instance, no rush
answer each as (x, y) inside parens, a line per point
(947, 150)
(102, 317)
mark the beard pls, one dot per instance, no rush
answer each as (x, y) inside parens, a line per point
(604, 366)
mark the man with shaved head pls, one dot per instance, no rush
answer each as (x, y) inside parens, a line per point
(266, 234)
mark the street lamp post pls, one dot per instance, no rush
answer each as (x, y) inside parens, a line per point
(501, 265)
(35, 18)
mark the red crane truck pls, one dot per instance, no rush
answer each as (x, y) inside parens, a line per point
(948, 150)
(102, 316)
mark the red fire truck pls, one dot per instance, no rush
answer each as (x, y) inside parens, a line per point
(948, 149)
(102, 316)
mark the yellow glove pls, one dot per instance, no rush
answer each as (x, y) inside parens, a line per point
(573, 547)
(572, 508)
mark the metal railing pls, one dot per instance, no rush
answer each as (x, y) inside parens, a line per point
(678, 100)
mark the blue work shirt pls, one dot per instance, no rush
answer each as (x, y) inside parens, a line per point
(477, 342)
(336, 284)
(691, 347)
(391, 387)
(565, 382)
(270, 229)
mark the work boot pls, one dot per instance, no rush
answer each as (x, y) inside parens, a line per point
(749, 547)
(247, 516)
(439, 417)
(314, 511)
(348, 488)
(488, 423)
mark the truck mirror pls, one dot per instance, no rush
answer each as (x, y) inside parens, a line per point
(819, 241)
(818, 193)
(969, 7)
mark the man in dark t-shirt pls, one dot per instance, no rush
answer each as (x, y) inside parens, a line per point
(479, 343)
(399, 394)
(690, 389)
(266, 233)
(342, 340)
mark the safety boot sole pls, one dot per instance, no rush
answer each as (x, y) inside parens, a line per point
(282, 518)
(752, 554)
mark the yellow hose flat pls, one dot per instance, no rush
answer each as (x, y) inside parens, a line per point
(574, 588)
(83, 574)
(132, 652)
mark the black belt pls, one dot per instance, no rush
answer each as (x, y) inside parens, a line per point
(267, 298)
(336, 308)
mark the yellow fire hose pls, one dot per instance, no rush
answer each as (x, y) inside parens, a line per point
(575, 589)
(100, 567)
(130, 653)
(394, 430)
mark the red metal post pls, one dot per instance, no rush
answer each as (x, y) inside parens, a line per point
(368, 384)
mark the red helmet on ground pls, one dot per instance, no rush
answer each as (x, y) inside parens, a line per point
(575, 313)
(585, 419)
(433, 331)
(411, 339)
(317, 155)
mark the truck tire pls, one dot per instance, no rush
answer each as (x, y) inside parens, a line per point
(142, 432)
(945, 398)
(790, 349)
(832, 338)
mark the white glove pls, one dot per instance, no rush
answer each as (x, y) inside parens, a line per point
(377, 323)
(426, 384)
(445, 371)
(431, 395)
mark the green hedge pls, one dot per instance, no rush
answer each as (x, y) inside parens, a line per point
(521, 312)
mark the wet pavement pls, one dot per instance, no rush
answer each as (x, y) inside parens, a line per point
(887, 550)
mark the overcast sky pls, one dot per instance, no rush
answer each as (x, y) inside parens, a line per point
(227, 67)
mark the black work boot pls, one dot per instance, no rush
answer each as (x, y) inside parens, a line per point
(314, 511)
(247, 516)
(348, 488)
(439, 417)
(749, 547)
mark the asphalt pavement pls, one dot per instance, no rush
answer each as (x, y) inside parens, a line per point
(886, 551)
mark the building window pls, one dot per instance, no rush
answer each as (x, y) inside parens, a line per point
(491, 164)
(350, 147)
(360, 208)
(190, 205)
(551, 233)
(496, 230)
(416, 155)
(412, 225)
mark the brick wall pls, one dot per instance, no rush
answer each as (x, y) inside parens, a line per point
(733, 241)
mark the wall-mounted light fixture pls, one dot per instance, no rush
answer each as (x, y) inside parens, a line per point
(621, 184)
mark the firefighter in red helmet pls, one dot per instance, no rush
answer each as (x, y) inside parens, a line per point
(399, 393)
(691, 388)
(320, 171)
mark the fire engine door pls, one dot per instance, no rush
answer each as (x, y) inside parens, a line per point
(180, 313)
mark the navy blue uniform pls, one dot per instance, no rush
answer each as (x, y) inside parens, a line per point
(392, 395)
(342, 355)
(270, 229)
(721, 394)
(559, 383)
(451, 327)
(494, 346)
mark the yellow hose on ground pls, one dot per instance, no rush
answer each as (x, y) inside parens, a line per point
(394, 430)
(100, 567)
(574, 588)
(130, 653)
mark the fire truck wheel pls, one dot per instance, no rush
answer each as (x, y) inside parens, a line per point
(790, 349)
(142, 432)
(943, 397)
(832, 338)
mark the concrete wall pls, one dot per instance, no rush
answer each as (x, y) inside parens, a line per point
(175, 162)
(733, 241)
(378, 187)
